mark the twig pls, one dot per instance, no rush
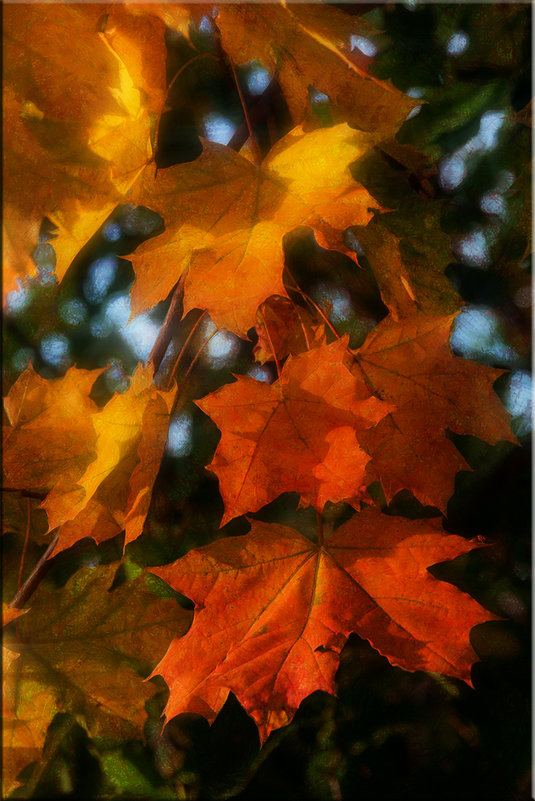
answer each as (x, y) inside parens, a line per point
(35, 577)
(166, 332)
(26, 541)
(257, 111)
(191, 366)
(320, 311)
(185, 345)
(273, 351)
(254, 143)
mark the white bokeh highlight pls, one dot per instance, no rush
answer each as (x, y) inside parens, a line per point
(258, 80)
(457, 43)
(180, 436)
(54, 350)
(100, 277)
(140, 335)
(73, 312)
(218, 128)
(476, 335)
(366, 46)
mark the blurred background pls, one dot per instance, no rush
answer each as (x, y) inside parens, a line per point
(388, 734)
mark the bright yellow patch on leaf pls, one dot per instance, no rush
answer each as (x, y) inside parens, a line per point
(76, 139)
(114, 492)
(225, 219)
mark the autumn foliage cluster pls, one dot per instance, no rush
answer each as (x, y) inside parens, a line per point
(343, 422)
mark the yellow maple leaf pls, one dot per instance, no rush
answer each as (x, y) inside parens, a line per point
(226, 218)
(115, 490)
(77, 137)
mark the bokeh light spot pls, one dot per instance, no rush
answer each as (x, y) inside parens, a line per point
(99, 279)
(179, 438)
(54, 350)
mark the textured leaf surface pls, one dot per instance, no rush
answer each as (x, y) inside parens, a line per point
(299, 434)
(76, 138)
(410, 364)
(409, 266)
(283, 329)
(309, 45)
(225, 218)
(114, 492)
(19, 513)
(297, 605)
(84, 649)
(50, 430)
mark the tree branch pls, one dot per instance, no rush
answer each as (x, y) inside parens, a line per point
(36, 576)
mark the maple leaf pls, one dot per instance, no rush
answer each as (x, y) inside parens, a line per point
(22, 515)
(283, 329)
(409, 269)
(115, 490)
(23, 738)
(76, 139)
(226, 218)
(50, 431)
(299, 434)
(298, 603)
(410, 364)
(83, 649)
(26, 751)
(309, 45)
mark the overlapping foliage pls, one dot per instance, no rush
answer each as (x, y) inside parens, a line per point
(346, 421)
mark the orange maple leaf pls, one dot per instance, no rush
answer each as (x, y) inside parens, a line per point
(309, 46)
(225, 219)
(410, 364)
(299, 434)
(50, 431)
(283, 329)
(275, 610)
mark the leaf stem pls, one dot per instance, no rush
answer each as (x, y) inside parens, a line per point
(320, 311)
(35, 577)
(40, 496)
(192, 365)
(185, 345)
(303, 327)
(275, 357)
(254, 143)
(26, 541)
(257, 112)
(166, 332)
